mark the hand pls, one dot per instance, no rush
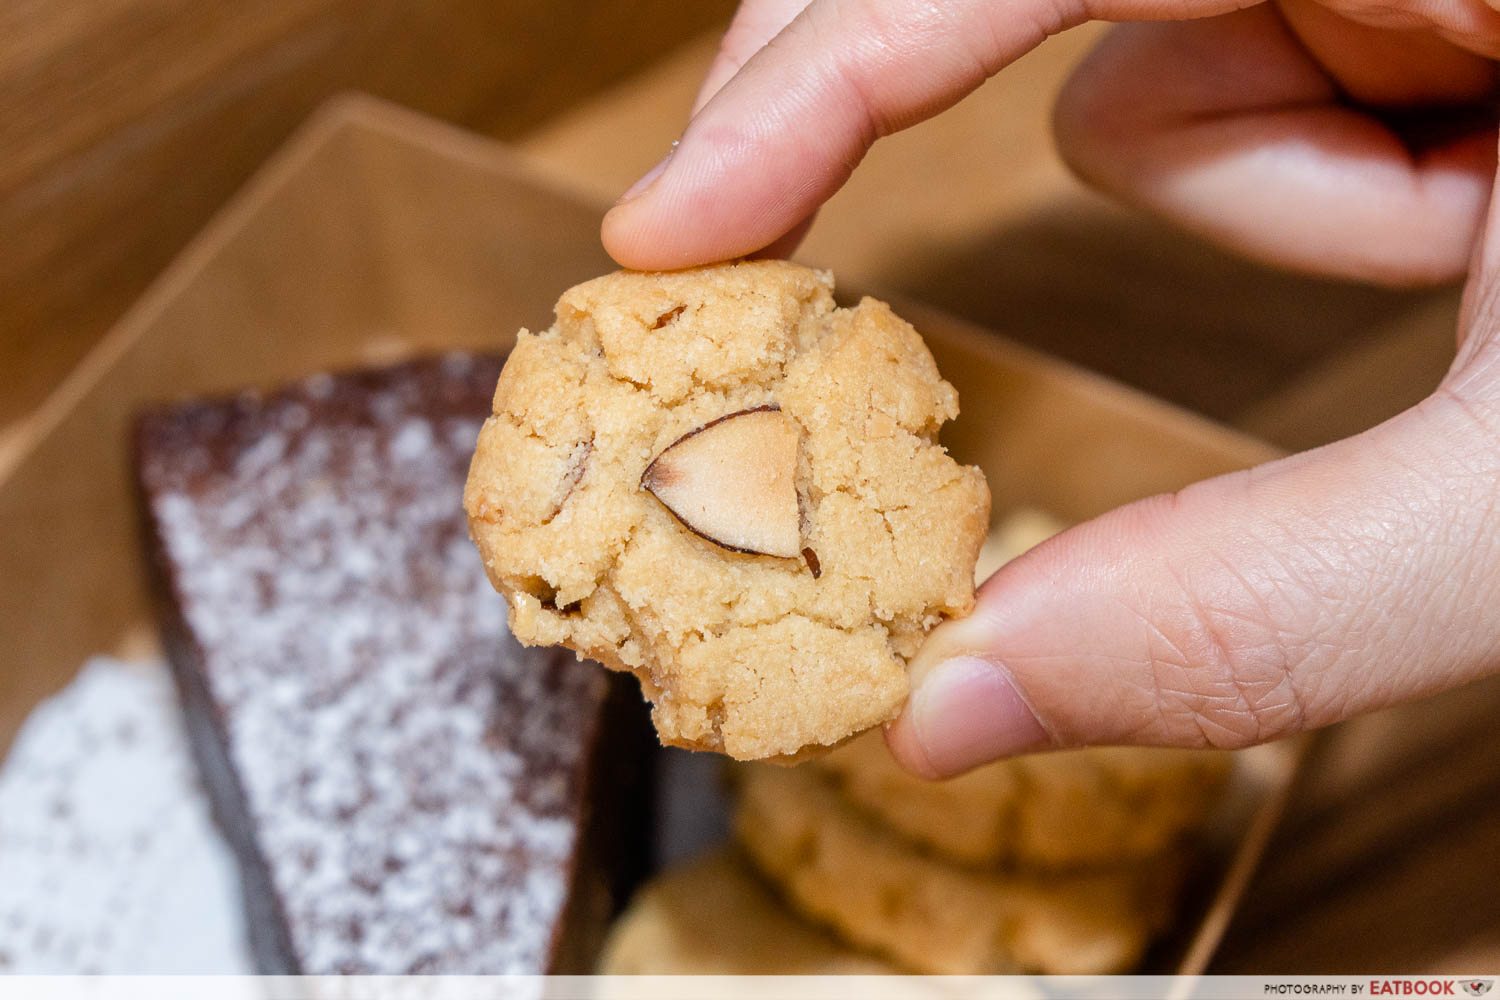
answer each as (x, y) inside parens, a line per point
(1283, 131)
(1246, 607)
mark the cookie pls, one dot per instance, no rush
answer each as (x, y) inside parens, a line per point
(879, 892)
(715, 917)
(725, 484)
(1069, 809)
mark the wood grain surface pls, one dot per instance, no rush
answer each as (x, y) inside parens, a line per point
(126, 123)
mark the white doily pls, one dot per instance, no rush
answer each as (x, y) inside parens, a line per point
(109, 862)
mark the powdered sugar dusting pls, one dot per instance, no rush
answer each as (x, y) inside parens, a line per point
(412, 774)
(108, 860)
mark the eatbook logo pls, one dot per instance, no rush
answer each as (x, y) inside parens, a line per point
(1477, 987)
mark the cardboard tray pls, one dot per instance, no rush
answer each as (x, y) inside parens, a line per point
(376, 234)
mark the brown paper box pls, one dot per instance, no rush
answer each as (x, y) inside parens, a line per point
(377, 234)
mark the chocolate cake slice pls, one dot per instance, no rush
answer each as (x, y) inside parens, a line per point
(407, 789)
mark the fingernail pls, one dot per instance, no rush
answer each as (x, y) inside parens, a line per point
(649, 178)
(967, 711)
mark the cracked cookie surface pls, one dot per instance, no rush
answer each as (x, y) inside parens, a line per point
(879, 892)
(754, 655)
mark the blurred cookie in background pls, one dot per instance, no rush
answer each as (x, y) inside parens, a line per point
(881, 892)
(714, 916)
(1068, 809)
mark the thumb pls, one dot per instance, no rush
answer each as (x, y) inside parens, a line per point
(1247, 607)
(1241, 609)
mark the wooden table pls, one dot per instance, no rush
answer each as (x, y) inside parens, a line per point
(127, 123)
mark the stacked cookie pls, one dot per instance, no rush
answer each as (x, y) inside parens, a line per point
(1064, 863)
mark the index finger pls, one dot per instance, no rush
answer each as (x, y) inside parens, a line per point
(787, 130)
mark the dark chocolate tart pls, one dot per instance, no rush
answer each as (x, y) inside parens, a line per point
(407, 789)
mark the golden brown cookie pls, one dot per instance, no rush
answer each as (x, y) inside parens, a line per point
(714, 916)
(880, 892)
(718, 480)
(1069, 809)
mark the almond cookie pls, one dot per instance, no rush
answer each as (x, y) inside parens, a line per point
(880, 892)
(715, 917)
(720, 481)
(1068, 809)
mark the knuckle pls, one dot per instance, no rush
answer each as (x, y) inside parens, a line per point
(754, 26)
(1095, 126)
(1225, 674)
(739, 43)
(1473, 383)
(1078, 140)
